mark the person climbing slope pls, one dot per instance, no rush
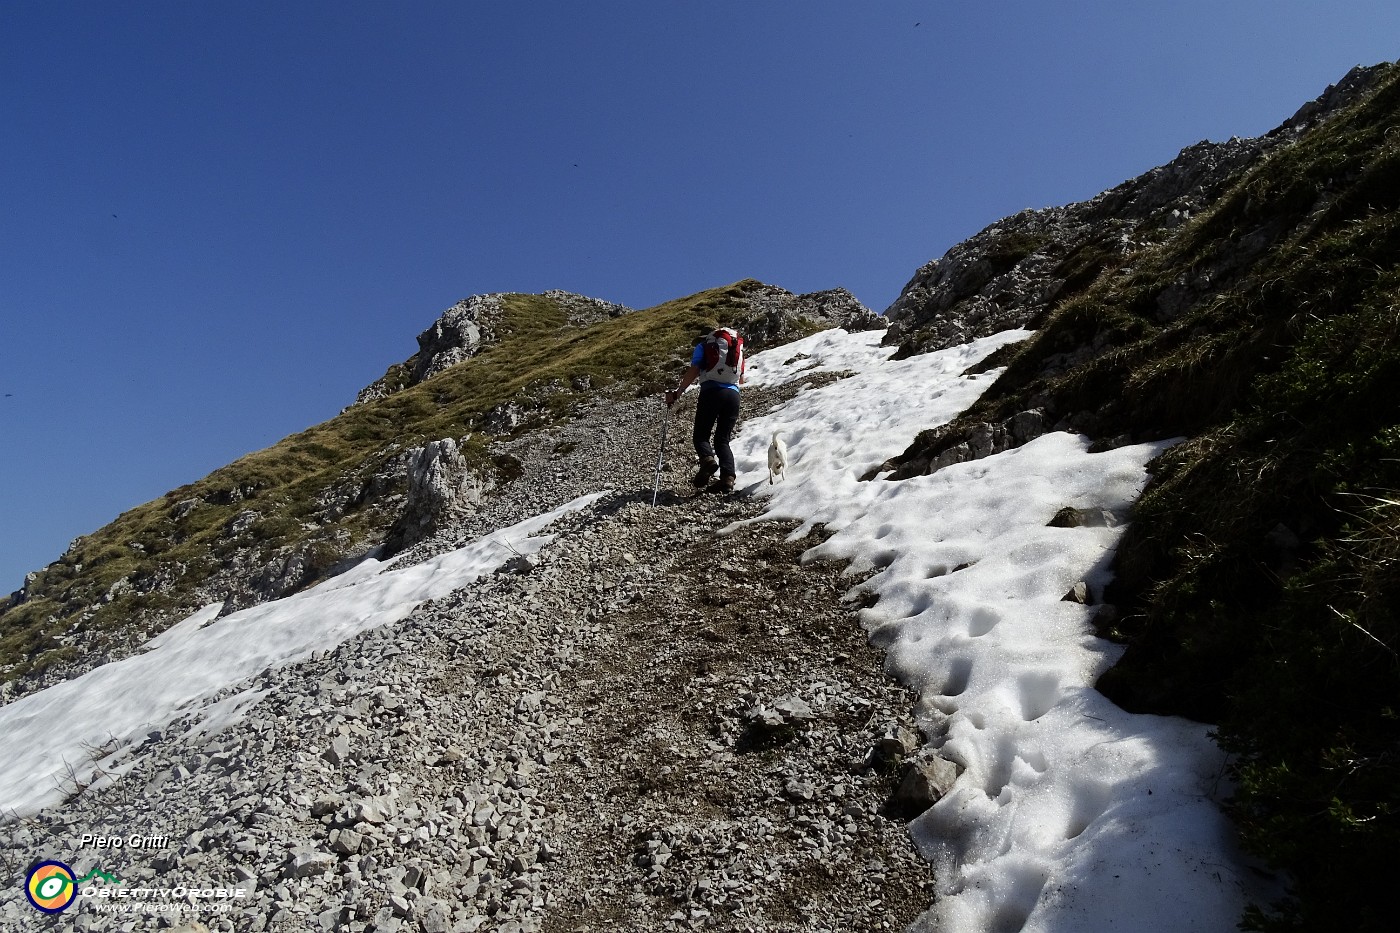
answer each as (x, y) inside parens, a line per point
(718, 364)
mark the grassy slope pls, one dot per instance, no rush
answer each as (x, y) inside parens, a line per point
(1260, 579)
(158, 554)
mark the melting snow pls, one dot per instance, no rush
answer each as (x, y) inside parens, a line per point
(1069, 814)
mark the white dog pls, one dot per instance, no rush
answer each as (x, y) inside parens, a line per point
(777, 458)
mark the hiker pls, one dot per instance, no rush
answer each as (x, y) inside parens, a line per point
(718, 364)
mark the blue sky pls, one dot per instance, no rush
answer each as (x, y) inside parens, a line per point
(222, 219)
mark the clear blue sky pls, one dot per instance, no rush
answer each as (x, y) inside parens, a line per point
(222, 219)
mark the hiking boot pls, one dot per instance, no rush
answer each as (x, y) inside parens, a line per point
(724, 484)
(702, 475)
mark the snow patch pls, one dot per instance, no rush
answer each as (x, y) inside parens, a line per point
(53, 736)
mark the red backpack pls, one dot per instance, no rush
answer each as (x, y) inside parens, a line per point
(724, 357)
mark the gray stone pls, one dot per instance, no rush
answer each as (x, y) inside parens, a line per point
(1079, 593)
(794, 710)
(347, 842)
(433, 916)
(1068, 517)
(326, 804)
(518, 564)
(338, 752)
(241, 523)
(441, 488)
(800, 790)
(305, 864)
(898, 742)
(927, 778)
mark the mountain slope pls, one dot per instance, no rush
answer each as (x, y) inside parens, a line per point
(1242, 296)
(281, 519)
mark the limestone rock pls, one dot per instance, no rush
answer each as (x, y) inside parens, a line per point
(1079, 593)
(1083, 518)
(441, 487)
(347, 842)
(505, 418)
(897, 743)
(305, 864)
(338, 752)
(795, 710)
(467, 328)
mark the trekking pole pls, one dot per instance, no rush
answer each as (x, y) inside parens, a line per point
(661, 456)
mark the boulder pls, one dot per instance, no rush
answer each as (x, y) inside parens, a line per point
(1068, 517)
(1079, 593)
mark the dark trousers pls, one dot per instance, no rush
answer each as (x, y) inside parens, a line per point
(717, 411)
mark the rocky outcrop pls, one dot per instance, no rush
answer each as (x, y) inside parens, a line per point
(458, 334)
(582, 310)
(1013, 273)
(777, 316)
(961, 441)
(441, 487)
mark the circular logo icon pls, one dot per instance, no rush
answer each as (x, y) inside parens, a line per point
(50, 887)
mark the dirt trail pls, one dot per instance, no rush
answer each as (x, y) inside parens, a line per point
(719, 773)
